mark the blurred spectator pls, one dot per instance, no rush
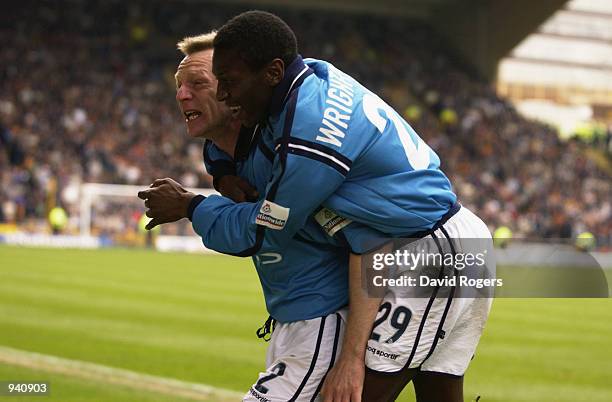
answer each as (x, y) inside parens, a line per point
(58, 219)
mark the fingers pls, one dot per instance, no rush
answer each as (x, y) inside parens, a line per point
(151, 193)
(329, 396)
(153, 222)
(332, 391)
(325, 393)
(158, 218)
(233, 193)
(159, 182)
(337, 396)
(238, 196)
(326, 390)
(338, 389)
(249, 191)
(144, 194)
(231, 188)
(252, 195)
(237, 189)
(356, 394)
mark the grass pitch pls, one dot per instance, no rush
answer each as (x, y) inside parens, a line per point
(193, 318)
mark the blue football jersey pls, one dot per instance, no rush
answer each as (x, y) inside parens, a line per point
(327, 141)
(333, 143)
(308, 277)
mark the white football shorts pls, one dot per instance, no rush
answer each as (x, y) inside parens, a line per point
(432, 333)
(298, 358)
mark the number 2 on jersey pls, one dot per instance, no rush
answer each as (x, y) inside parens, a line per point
(418, 155)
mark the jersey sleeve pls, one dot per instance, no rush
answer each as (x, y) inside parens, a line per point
(359, 238)
(305, 173)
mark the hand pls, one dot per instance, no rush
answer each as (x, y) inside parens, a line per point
(166, 200)
(344, 382)
(237, 189)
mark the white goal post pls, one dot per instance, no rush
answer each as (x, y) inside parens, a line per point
(89, 192)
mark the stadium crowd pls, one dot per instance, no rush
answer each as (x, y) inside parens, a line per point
(87, 95)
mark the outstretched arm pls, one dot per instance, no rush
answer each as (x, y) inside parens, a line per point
(344, 382)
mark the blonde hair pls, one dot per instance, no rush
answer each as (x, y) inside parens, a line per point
(193, 44)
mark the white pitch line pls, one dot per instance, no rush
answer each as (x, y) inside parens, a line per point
(112, 375)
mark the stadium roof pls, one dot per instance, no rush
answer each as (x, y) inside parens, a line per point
(482, 31)
(572, 48)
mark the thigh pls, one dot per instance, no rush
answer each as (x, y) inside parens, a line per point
(455, 351)
(383, 387)
(299, 356)
(438, 387)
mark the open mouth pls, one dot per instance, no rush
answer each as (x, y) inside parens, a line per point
(191, 115)
(235, 110)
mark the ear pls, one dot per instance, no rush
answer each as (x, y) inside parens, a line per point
(274, 72)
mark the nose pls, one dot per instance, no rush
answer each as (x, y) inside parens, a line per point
(182, 93)
(222, 94)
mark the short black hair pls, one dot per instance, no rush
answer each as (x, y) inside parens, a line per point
(259, 37)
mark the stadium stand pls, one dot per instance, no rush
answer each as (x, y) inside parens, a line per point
(87, 95)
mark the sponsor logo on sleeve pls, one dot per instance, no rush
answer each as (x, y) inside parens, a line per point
(272, 215)
(330, 221)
